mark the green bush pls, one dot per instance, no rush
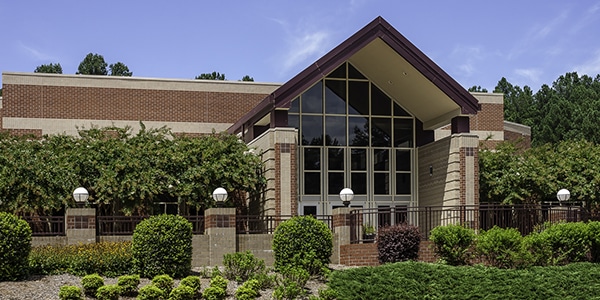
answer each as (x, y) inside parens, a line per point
(241, 265)
(182, 292)
(291, 283)
(219, 281)
(15, 245)
(70, 292)
(192, 282)
(128, 284)
(248, 291)
(91, 283)
(559, 244)
(594, 233)
(535, 250)
(303, 241)
(108, 292)
(452, 243)
(151, 292)
(214, 293)
(500, 247)
(163, 245)
(265, 280)
(398, 243)
(110, 259)
(163, 282)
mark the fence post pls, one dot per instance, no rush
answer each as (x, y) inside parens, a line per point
(341, 231)
(80, 225)
(219, 224)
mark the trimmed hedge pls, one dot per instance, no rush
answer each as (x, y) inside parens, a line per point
(452, 243)
(398, 243)
(15, 245)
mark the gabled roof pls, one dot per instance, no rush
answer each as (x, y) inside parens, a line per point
(399, 68)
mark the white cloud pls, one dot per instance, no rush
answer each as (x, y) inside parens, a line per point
(305, 46)
(591, 67)
(468, 56)
(36, 54)
(532, 75)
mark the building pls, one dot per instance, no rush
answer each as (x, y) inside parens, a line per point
(374, 114)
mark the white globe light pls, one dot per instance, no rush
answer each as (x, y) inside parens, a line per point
(219, 194)
(346, 196)
(563, 195)
(80, 195)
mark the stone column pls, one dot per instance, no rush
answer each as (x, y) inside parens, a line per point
(219, 224)
(341, 231)
(80, 225)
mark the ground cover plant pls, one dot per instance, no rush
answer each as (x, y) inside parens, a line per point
(416, 280)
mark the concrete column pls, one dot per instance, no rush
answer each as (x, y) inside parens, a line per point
(341, 231)
(80, 225)
(219, 224)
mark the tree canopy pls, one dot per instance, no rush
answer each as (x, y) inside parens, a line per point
(92, 64)
(477, 88)
(49, 68)
(211, 76)
(125, 173)
(247, 78)
(119, 69)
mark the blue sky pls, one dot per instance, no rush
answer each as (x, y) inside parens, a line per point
(476, 42)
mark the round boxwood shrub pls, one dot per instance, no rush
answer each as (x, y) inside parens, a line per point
(500, 247)
(151, 292)
(398, 243)
(69, 292)
(303, 241)
(15, 245)
(452, 243)
(162, 245)
(91, 283)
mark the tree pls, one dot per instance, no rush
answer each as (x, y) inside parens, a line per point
(49, 68)
(247, 78)
(477, 89)
(0, 92)
(119, 69)
(211, 76)
(92, 64)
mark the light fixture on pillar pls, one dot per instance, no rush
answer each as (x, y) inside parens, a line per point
(80, 195)
(563, 195)
(219, 195)
(346, 195)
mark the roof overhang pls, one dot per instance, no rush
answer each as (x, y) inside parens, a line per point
(394, 64)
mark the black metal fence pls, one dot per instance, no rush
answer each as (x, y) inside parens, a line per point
(125, 225)
(267, 224)
(524, 217)
(46, 225)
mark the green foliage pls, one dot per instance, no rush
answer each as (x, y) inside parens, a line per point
(128, 284)
(119, 69)
(108, 292)
(413, 280)
(49, 68)
(452, 243)
(107, 258)
(500, 247)
(91, 283)
(211, 76)
(162, 245)
(559, 244)
(182, 292)
(15, 245)
(192, 282)
(594, 234)
(291, 283)
(151, 292)
(265, 280)
(326, 294)
(163, 282)
(248, 291)
(477, 89)
(219, 281)
(247, 78)
(70, 292)
(124, 173)
(214, 293)
(240, 266)
(398, 243)
(92, 64)
(303, 241)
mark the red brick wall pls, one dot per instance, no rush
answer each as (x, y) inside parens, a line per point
(523, 141)
(490, 118)
(66, 102)
(367, 255)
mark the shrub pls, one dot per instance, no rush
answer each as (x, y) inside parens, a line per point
(452, 243)
(128, 284)
(163, 245)
(69, 292)
(535, 250)
(182, 292)
(303, 241)
(192, 282)
(265, 280)
(247, 291)
(500, 247)
(108, 292)
(150, 292)
(398, 243)
(91, 283)
(163, 282)
(107, 258)
(559, 244)
(241, 265)
(214, 293)
(594, 233)
(219, 281)
(291, 284)
(15, 245)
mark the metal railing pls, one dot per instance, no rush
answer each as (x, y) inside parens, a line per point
(267, 224)
(117, 225)
(46, 225)
(197, 224)
(524, 217)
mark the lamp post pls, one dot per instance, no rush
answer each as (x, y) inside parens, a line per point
(80, 195)
(346, 195)
(563, 195)
(219, 195)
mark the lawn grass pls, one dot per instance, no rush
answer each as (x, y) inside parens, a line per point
(415, 280)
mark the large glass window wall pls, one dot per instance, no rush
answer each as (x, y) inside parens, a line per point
(352, 134)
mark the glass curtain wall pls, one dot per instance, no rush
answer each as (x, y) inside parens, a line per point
(352, 134)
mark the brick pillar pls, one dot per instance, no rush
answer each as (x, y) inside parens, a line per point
(341, 231)
(219, 224)
(80, 225)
